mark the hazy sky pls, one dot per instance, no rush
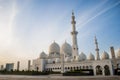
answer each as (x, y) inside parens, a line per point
(28, 27)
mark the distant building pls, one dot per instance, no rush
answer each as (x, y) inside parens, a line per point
(9, 66)
(1, 67)
(29, 64)
(18, 65)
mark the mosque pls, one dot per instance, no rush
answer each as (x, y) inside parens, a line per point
(66, 58)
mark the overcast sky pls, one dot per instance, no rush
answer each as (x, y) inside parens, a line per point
(28, 27)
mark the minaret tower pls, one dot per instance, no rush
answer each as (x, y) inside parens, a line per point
(74, 37)
(18, 65)
(97, 49)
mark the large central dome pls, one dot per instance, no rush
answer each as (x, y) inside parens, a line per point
(54, 48)
(66, 49)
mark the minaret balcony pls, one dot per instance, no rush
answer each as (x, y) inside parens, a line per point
(74, 32)
(97, 49)
(73, 22)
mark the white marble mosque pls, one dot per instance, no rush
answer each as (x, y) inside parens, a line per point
(66, 57)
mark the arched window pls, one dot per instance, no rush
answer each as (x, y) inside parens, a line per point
(65, 67)
(83, 67)
(90, 67)
(37, 68)
(74, 57)
(80, 67)
(77, 67)
(68, 68)
(106, 70)
(87, 67)
(54, 62)
(74, 68)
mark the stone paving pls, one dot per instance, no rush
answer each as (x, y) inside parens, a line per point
(19, 77)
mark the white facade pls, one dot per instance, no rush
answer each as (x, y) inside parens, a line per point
(66, 58)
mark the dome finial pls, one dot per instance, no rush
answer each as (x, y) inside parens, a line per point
(72, 12)
(95, 39)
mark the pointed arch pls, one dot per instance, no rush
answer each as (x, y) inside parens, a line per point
(106, 70)
(98, 70)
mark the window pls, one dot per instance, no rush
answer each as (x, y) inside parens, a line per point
(74, 57)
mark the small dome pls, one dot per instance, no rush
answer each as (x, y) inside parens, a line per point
(82, 56)
(66, 49)
(118, 53)
(54, 48)
(67, 59)
(91, 57)
(57, 60)
(105, 55)
(43, 55)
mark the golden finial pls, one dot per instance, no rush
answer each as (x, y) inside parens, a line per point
(72, 13)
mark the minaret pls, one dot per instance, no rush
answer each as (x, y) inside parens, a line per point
(97, 49)
(29, 63)
(74, 37)
(113, 57)
(18, 65)
(112, 52)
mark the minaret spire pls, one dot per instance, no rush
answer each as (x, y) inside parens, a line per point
(72, 13)
(97, 49)
(74, 37)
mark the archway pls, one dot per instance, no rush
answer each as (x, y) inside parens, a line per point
(87, 67)
(71, 68)
(98, 70)
(37, 68)
(53, 62)
(77, 68)
(106, 70)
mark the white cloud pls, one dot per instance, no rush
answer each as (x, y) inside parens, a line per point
(1, 7)
(86, 18)
(7, 39)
